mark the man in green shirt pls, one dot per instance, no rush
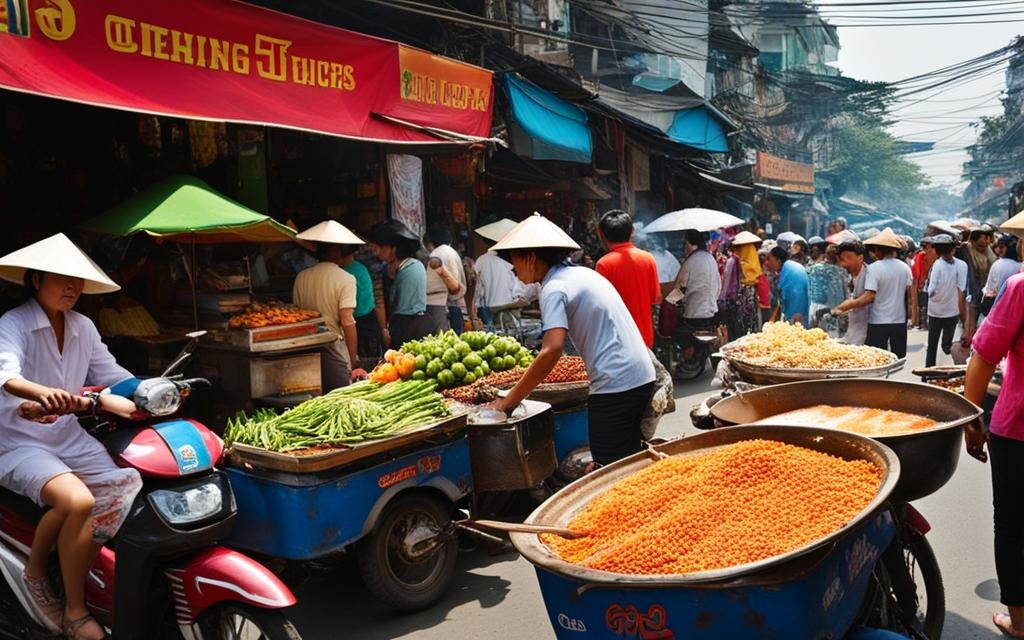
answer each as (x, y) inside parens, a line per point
(370, 316)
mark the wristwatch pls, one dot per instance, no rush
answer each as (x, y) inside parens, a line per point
(95, 397)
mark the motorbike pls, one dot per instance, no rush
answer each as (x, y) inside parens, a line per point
(688, 351)
(164, 574)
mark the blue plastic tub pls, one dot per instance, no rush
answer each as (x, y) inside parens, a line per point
(571, 431)
(300, 516)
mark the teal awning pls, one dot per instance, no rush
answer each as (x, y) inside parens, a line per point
(543, 126)
(699, 129)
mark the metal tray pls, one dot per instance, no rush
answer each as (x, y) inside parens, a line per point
(560, 508)
(308, 333)
(248, 457)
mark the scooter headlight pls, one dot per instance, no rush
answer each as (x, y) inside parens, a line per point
(191, 505)
(158, 397)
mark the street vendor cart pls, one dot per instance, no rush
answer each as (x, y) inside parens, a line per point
(388, 501)
(391, 501)
(814, 591)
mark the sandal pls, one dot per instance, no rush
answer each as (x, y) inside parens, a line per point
(73, 628)
(1005, 624)
(46, 603)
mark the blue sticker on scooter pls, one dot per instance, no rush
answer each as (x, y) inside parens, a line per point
(187, 445)
(126, 388)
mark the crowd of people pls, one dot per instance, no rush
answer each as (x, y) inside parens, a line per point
(957, 282)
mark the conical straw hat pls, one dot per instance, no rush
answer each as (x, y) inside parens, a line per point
(56, 254)
(536, 232)
(885, 239)
(496, 230)
(842, 236)
(331, 232)
(1014, 225)
(745, 237)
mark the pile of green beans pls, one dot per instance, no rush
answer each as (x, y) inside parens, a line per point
(349, 415)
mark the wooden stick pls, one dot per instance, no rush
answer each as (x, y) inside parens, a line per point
(514, 527)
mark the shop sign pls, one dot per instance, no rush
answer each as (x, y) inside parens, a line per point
(226, 60)
(773, 171)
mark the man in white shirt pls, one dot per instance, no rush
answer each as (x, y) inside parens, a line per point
(497, 287)
(851, 258)
(668, 264)
(947, 303)
(446, 280)
(329, 289)
(889, 292)
(698, 280)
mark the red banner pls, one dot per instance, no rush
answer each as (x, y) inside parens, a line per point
(226, 60)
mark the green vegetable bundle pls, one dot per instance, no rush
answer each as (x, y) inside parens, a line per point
(363, 411)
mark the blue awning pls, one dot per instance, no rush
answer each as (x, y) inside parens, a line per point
(543, 126)
(699, 129)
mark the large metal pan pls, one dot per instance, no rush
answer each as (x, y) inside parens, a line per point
(559, 509)
(758, 374)
(928, 458)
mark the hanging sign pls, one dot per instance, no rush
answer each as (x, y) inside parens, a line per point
(231, 61)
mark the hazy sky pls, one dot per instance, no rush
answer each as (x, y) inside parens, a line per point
(894, 53)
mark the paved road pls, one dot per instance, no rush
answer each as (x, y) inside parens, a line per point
(497, 597)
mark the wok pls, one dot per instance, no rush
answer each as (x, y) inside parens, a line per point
(559, 509)
(928, 457)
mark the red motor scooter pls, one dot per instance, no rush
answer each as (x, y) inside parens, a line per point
(163, 575)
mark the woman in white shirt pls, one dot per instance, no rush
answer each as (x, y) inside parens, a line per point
(1007, 265)
(47, 354)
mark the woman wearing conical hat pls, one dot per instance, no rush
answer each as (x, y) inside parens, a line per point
(47, 354)
(580, 304)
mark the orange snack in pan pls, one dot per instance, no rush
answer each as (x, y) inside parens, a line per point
(729, 506)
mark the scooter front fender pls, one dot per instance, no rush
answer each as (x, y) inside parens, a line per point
(218, 575)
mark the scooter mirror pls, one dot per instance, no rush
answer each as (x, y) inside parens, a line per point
(157, 397)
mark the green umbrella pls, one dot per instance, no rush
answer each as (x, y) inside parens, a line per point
(185, 209)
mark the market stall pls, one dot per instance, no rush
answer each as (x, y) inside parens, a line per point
(384, 463)
(256, 349)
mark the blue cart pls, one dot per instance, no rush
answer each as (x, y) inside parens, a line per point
(813, 593)
(389, 502)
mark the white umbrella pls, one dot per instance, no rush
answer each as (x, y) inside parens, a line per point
(945, 227)
(789, 236)
(696, 219)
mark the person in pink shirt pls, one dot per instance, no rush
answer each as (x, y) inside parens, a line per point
(1002, 336)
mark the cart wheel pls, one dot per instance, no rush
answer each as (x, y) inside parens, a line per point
(910, 597)
(404, 562)
(233, 621)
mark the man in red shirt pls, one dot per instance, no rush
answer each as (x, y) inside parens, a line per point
(633, 272)
(921, 267)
